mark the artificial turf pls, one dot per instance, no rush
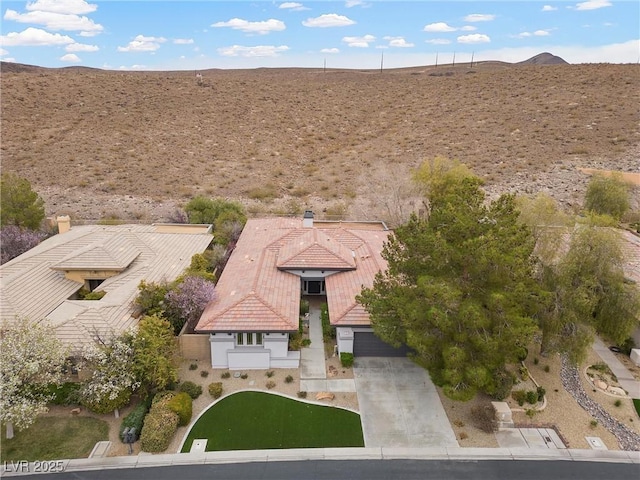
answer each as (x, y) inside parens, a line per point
(257, 420)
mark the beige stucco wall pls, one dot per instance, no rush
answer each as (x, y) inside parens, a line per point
(182, 228)
(195, 346)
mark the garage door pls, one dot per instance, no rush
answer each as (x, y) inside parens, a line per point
(366, 344)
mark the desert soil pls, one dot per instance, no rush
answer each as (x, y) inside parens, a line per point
(138, 145)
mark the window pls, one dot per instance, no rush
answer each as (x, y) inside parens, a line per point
(249, 338)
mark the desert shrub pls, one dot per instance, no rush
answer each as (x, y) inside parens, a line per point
(484, 418)
(519, 396)
(540, 392)
(531, 412)
(503, 385)
(244, 376)
(135, 419)
(159, 427)
(306, 342)
(270, 384)
(193, 366)
(226, 375)
(628, 345)
(181, 404)
(192, 389)
(215, 389)
(523, 372)
(522, 354)
(593, 423)
(617, 403)
(270, 373)
(464, 435)
(204, 373)
(67, 393)
(531, 396)
(302, 394)
(288, 379)
(295, 341)
(346, 359)
(547, 368)
(536, 361)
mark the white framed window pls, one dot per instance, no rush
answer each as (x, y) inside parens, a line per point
(249, 338)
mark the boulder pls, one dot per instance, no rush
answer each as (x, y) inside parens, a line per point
(600, 384)
(325, 396)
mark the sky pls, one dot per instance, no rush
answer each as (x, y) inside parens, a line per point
(197, 35)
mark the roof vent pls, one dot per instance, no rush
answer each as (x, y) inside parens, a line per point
(307, 219)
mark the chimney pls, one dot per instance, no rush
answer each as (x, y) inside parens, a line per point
(307, 219)
(64, 223)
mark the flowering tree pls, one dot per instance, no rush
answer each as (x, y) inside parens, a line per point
(15, 241)
(113, 379)
(31, 358)
(187, 301)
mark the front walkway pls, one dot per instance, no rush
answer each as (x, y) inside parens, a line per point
(399, 405)
(625, 378)
(313, 372)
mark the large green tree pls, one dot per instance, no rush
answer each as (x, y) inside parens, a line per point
(227, 217)
(607, 196)
(459, 288)
(19, 204)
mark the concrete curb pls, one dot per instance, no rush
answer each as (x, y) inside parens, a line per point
(384, 453)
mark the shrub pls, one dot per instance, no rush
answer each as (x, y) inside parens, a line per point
(547, 368)
(66, 394)
(161, 398)
(346, 359)
(540, 391)
(522, 354)
(270, 384)
(215, 389)
(536, 361)
(226, 375)
(519, 396)
(302, 394)
(135, 419)
(485, 418)
(463, 436)
(306, 342)
(531, 412)
(617, 403)
(182, 405)
(532, 397)
(327, 332)
(270, 373)
(244, 376)
(192, 389)
(288, 379)
(524, 372)
(304, 307)
(159, 427)
(204, 373)
(593, 423)
(503, 385)
(193, 366)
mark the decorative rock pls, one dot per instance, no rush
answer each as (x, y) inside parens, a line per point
(600, 384)
(325, 396)
(616, 391)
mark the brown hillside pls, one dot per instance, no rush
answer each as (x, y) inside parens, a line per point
(97, 142)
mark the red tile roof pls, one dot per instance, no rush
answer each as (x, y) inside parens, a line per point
(256, 293)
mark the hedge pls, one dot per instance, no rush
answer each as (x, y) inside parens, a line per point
(182, 405)
(193, 389)
(159, 427)
(135, 419)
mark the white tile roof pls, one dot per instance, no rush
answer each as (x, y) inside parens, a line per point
(31, 288)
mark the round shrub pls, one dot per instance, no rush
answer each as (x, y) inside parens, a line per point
(135, 419)
(161, 398)
(288, 379)
(159, 427)
(346, 359)
(193, 389)
(182, 404)
(215, 389)
(106, 404)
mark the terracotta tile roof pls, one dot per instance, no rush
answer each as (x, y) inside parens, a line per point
(256, 293)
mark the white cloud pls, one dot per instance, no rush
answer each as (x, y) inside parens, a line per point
(183, 41)
(359, 42)
(77, 7)
(260, 28)
(34, 37)
(354, 3)
(549, 8)
(70, 57)
(474, 38)
(541, 33)
(537, 33)
(294, 6)
(132, 67)
(55, 21)
(143, 44)
(328, 20)
(330, 50)
(3, 52)
(398, 42)
(439, 27)
(469, 28)
(81, 47)
(257, 51)
(438, 41)
(593, 4)
(479, 17)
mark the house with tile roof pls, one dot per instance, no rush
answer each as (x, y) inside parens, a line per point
(43, 284)
(275, 263)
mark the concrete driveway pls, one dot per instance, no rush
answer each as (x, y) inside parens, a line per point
(399, 405)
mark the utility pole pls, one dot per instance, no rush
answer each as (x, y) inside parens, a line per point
(381, 62)
(472, 54)
(324, 68)
(436, 59)
(454, 60)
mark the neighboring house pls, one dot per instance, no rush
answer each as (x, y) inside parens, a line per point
(43, 283)
(275, 262)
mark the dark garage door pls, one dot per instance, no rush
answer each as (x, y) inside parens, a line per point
(366, 344)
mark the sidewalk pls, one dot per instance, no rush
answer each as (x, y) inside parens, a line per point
(625, 378)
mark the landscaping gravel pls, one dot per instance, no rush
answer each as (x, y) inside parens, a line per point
(628, 439)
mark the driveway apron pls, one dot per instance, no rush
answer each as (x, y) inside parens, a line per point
(399, 405)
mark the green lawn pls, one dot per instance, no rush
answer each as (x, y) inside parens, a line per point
(636, 403)
(256, 420)
(55, 438)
